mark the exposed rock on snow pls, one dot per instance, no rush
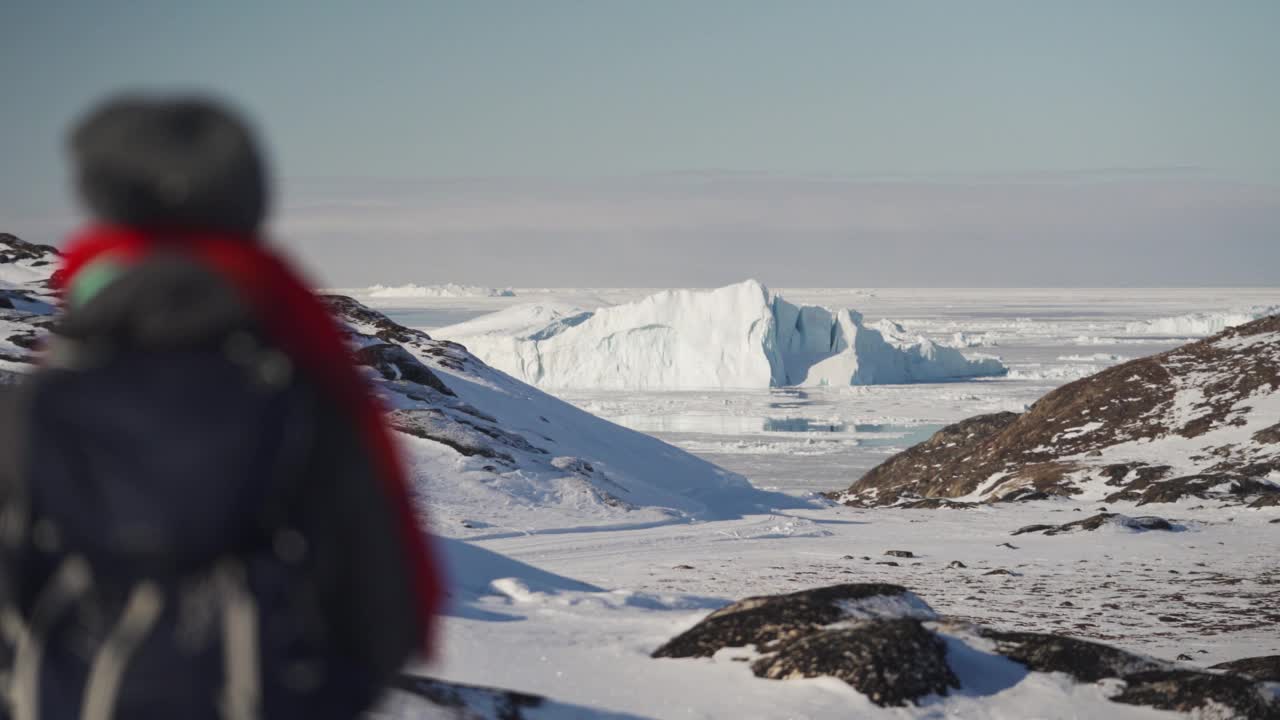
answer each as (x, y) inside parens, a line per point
(414, 697)
(767, 621)
(465, 701)
(1147, 682)
(1266, 667)
(868, 635)
(892, 662)
(1213, 695)
(740, 336)
(367, 321)
(902, 654)
(1140, 523)
(393, 362)
(449, 290)
(1081, 659)
(1197, 421)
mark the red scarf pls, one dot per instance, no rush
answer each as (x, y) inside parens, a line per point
(305, 330)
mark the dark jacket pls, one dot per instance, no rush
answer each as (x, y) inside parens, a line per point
(166, 444)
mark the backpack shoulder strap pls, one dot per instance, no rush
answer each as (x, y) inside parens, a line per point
(15, 398)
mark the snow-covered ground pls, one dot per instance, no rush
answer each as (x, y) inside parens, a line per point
(588, 603)
(1208, 593)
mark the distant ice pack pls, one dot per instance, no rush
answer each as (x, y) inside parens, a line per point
(449, 290)
(740, 336)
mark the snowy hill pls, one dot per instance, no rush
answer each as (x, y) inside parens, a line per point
(1202, 420)
(740, 336)
(487, 449)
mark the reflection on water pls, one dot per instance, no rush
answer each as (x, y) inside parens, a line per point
(431, 318)
(802, 425)
(865, 434)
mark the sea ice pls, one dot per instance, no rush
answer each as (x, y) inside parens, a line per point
(449, 290)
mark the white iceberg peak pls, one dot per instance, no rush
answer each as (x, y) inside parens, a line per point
(737, 336)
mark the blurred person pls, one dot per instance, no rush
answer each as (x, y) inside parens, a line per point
(202, 513)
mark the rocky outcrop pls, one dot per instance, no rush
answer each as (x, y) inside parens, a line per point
(906, 473)
(890, 661)
(1140, 523)
(1266, 667)
(868, 635)
(393, 362)
(367, 321)
(1197, 421)
(1190, 691)
(1081, 659)
(768, 621)
(415, 697)
(20, 252)
(1147, 682)
(884, 641)
(425, 405)
(472, 702)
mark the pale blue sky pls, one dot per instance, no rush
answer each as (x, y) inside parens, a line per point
(373, 98)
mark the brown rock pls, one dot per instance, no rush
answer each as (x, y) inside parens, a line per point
(1265, 667)
(769, 620)
(892, 662)
(1188, 690)
(1083, 660)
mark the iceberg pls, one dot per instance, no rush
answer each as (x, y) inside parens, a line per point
(740, 336)
(1200, 324)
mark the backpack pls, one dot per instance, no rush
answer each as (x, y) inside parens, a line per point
(188, 527)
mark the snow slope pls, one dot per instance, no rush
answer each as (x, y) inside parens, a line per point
(739, 336)
(489, 451)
